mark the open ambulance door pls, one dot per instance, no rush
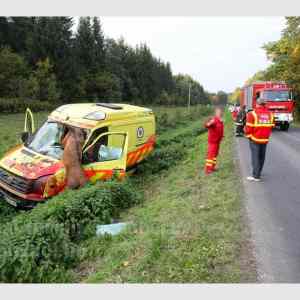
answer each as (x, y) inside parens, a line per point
(107, 156)
(29, 126)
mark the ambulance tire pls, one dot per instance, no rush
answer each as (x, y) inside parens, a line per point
(284, 126)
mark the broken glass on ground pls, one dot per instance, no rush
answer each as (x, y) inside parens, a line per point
(111, 229)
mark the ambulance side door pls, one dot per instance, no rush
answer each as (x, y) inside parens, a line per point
(107, 155)
(29, 126)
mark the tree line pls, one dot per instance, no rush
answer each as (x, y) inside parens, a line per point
(44, 58)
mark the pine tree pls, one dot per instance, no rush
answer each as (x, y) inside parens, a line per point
(84, 45)
(98, 45)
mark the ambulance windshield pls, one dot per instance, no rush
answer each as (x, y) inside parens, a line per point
(47, 140)
(278, 95)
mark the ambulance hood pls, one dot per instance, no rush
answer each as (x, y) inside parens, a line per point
(28, 164)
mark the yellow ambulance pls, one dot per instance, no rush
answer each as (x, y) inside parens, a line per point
(118, 137)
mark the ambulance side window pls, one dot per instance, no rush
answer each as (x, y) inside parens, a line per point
(114, 148)
(92, 154)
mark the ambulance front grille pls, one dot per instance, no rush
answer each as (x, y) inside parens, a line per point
(15, 182)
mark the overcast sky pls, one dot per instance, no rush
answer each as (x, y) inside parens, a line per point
(220, 52)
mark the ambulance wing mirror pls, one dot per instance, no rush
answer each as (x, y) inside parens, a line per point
(29, 126)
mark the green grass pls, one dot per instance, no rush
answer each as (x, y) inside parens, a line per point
(11, 125)
(189, 229)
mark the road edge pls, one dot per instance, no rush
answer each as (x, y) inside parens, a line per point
(248, 258)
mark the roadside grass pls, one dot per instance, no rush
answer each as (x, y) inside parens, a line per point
(11, 125)
(189, 229)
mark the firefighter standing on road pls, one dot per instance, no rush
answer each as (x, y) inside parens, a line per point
(258, 129)
(240, 121)
(215, 128)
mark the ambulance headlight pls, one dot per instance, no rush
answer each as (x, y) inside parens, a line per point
(96, 116)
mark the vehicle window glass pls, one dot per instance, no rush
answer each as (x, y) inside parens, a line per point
(109, 153)
(108, 148)
(276, 95)
(47, 140)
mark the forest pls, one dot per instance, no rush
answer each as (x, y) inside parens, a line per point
(50, 60)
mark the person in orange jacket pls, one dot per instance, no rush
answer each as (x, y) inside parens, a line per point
(215, 128)
(258, 129)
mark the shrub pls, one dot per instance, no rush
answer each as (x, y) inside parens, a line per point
(17, 105)
(162, 159)
(39, 245)
(7, 212)
(92, 204)
(162, 122)
(35, 252)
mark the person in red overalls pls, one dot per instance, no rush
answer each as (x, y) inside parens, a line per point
(215, 128)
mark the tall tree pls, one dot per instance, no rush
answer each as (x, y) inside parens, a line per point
(98, 44)
(84, 45)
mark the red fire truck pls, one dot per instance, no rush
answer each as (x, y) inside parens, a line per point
(278, 96)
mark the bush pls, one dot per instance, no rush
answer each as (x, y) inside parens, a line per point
(170, 151)
(17, 105)
(35, 252)
(75, 209)
(7, 212)
(180, 116)
(40, 245)
(162, 159)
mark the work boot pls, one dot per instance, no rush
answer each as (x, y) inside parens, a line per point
(251, 178)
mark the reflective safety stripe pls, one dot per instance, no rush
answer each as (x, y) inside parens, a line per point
(209, 165)
(211, 161)
(257, 124)
(258, 140)
(260, 125)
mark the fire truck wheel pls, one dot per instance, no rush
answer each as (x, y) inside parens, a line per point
(284, 126)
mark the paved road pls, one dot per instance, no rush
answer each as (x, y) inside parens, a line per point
(273, 207)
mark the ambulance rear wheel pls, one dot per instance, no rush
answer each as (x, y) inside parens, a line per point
(284, 126)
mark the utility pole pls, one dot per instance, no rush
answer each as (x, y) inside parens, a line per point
(189, 101)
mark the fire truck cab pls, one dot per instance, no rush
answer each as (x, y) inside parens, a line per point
(279, 100)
